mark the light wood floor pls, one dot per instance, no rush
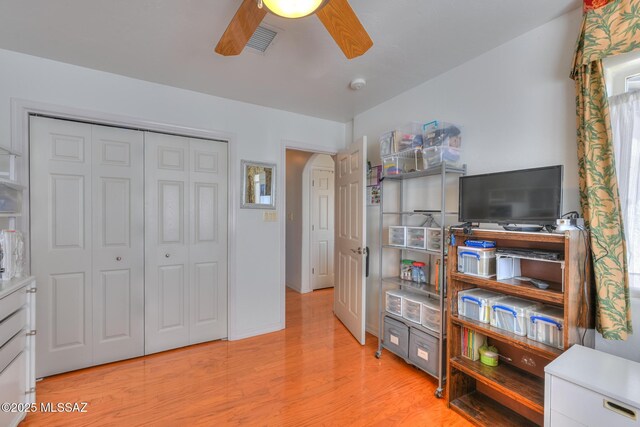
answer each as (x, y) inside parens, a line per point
(312, 373)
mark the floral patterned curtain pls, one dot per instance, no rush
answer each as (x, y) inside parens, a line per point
(609, 30)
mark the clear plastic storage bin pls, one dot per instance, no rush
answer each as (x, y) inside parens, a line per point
(403, 138)
(546, 325)
(434, 239)
(402, 162)
(430, 317)
(476, 303)
(10, 200)
(417, 237)
(412, 307)
(434, 156)
(393, 301)
(441, 134)
(510, 314)
(397, 236)
(477, 261)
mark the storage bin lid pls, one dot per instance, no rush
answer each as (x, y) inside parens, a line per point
(480, 293)
(547, 311)
(518, 304)
(437, 149)
(478, 250)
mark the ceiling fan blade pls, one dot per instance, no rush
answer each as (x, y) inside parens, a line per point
(241, 28)
(340, 20)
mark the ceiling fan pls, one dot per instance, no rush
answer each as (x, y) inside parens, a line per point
(337, 16)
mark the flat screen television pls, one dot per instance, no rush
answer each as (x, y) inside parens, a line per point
(527, 196)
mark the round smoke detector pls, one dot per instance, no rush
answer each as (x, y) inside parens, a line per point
(357, 84)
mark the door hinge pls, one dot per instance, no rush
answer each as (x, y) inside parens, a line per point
(313, 227)
(313, 182)
(32, 290)
(31, 332)
(313, 271)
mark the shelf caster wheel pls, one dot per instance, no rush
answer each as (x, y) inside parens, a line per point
(378, 354)
(438, 393)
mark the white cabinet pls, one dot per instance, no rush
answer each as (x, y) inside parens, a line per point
(586, 387)
(17, 329)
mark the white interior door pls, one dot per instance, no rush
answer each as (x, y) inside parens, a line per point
(166, 242)
(61, 224)
(208, 246)
(350, 238)
(118, 244)
(322, 228)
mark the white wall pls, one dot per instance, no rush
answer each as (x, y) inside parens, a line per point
(296, 161)
(258, 133)
(516, 105)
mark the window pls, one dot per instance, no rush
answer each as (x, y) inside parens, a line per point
(625, 124)
(632, 83)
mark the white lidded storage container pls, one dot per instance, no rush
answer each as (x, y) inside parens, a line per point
(475, 304)
(397, 236)
(477, 261)
(546, 325)
(417, 237)
(430, 317)
(507, 267)
(510, 314)
(412, 306)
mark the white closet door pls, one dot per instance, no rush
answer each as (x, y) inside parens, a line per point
(118, 244)
(61, 225)
(166, 242)
(208, 243)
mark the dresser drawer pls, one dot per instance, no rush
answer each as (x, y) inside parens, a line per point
(12, 389)
(11, 325)
(11, 349)
(12, 302)
(559, 420)
(590, 408)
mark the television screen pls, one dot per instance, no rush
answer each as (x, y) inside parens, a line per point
(528, 196)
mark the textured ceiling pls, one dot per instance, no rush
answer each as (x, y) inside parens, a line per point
(171, 42)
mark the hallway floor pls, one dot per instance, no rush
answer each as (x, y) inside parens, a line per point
(312, 373)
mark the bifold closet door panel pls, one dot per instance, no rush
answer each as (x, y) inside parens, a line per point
(118, 244)
(208, 242)
(61, 224)
(166, 242)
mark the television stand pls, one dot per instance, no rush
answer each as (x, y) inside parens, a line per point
(526, 228)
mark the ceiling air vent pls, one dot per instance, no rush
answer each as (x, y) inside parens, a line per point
(261, 39)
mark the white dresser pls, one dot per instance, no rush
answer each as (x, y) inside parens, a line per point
(586, 387)
(17, 347)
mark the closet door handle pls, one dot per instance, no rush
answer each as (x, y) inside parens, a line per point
(119, 258)
(167, 255)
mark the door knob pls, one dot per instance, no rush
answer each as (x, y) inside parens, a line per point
(119, 258)
(358, 251)
(167, 255)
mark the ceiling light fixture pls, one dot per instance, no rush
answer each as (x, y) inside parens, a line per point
(292, 8)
